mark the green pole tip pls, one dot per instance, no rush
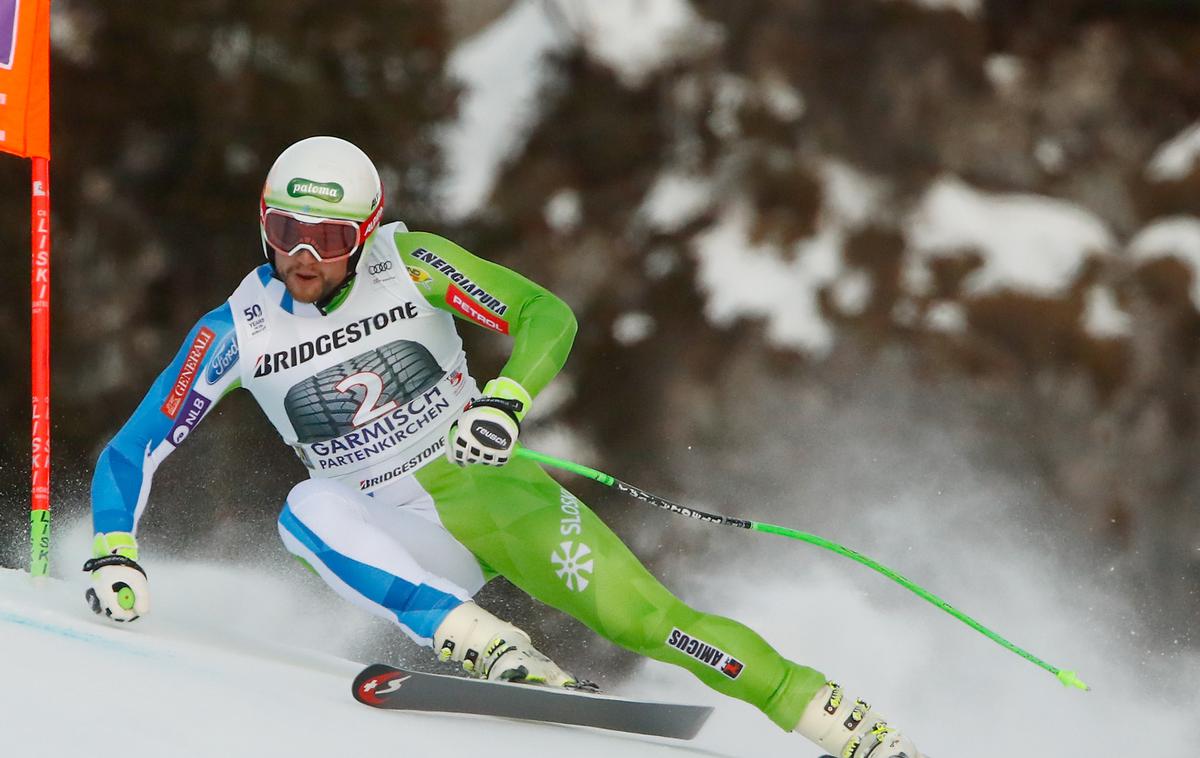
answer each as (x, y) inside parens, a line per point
(1069, 679)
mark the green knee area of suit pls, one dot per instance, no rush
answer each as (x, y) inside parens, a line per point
(521, 523)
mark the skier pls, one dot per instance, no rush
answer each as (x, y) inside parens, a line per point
(346, 338)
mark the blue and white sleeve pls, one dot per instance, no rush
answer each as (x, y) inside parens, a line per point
(203, 371)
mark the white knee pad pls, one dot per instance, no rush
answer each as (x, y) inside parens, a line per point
(309, 498)
(325, 518)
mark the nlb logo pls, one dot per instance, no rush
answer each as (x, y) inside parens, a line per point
(194, 409)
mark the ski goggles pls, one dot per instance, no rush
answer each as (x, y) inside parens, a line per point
(328, 239)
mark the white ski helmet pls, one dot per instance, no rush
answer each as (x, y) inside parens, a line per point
(322, 195)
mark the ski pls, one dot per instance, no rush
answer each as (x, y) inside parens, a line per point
(382, 686)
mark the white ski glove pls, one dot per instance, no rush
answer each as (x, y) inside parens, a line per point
(119, 588)
(487, 430)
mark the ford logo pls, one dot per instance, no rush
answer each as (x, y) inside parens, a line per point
(224, 357)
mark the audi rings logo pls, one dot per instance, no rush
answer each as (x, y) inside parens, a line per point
(378, 268)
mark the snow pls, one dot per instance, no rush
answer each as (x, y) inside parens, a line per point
(852, 293)
(1004, 71)
(231, 661)
(1174, 237)
(243, 659)
(635, 38)
(502, 70)
(1029, 243)
(782, 100)
(633, 327)
(850, 197)
(564, 211)
(964, 534)
(969, 8)
(675, 199)
(1175, 159)
(741, 278)
(946, 317)
(731, 92)
(1050, 155)
(1103, 317)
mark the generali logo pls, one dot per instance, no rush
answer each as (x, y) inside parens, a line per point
(187, 372)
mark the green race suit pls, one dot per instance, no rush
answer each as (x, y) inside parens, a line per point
(365, 392)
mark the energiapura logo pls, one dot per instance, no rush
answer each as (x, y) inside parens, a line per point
(464, 283)
(331, 191)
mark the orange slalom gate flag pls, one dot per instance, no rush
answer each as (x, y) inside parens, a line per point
(25, 77)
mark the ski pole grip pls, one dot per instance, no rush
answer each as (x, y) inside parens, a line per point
(565, 465)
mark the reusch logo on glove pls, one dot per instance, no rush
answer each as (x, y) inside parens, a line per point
(490, 431)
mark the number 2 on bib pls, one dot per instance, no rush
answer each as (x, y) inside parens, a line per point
(372, 386)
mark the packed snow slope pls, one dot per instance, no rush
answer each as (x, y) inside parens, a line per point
(177, 684)
(256, 659)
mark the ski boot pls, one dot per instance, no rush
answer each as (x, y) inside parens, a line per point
(850, 728)
(492, 649)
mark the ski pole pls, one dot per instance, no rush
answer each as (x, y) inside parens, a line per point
(1068, 678)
